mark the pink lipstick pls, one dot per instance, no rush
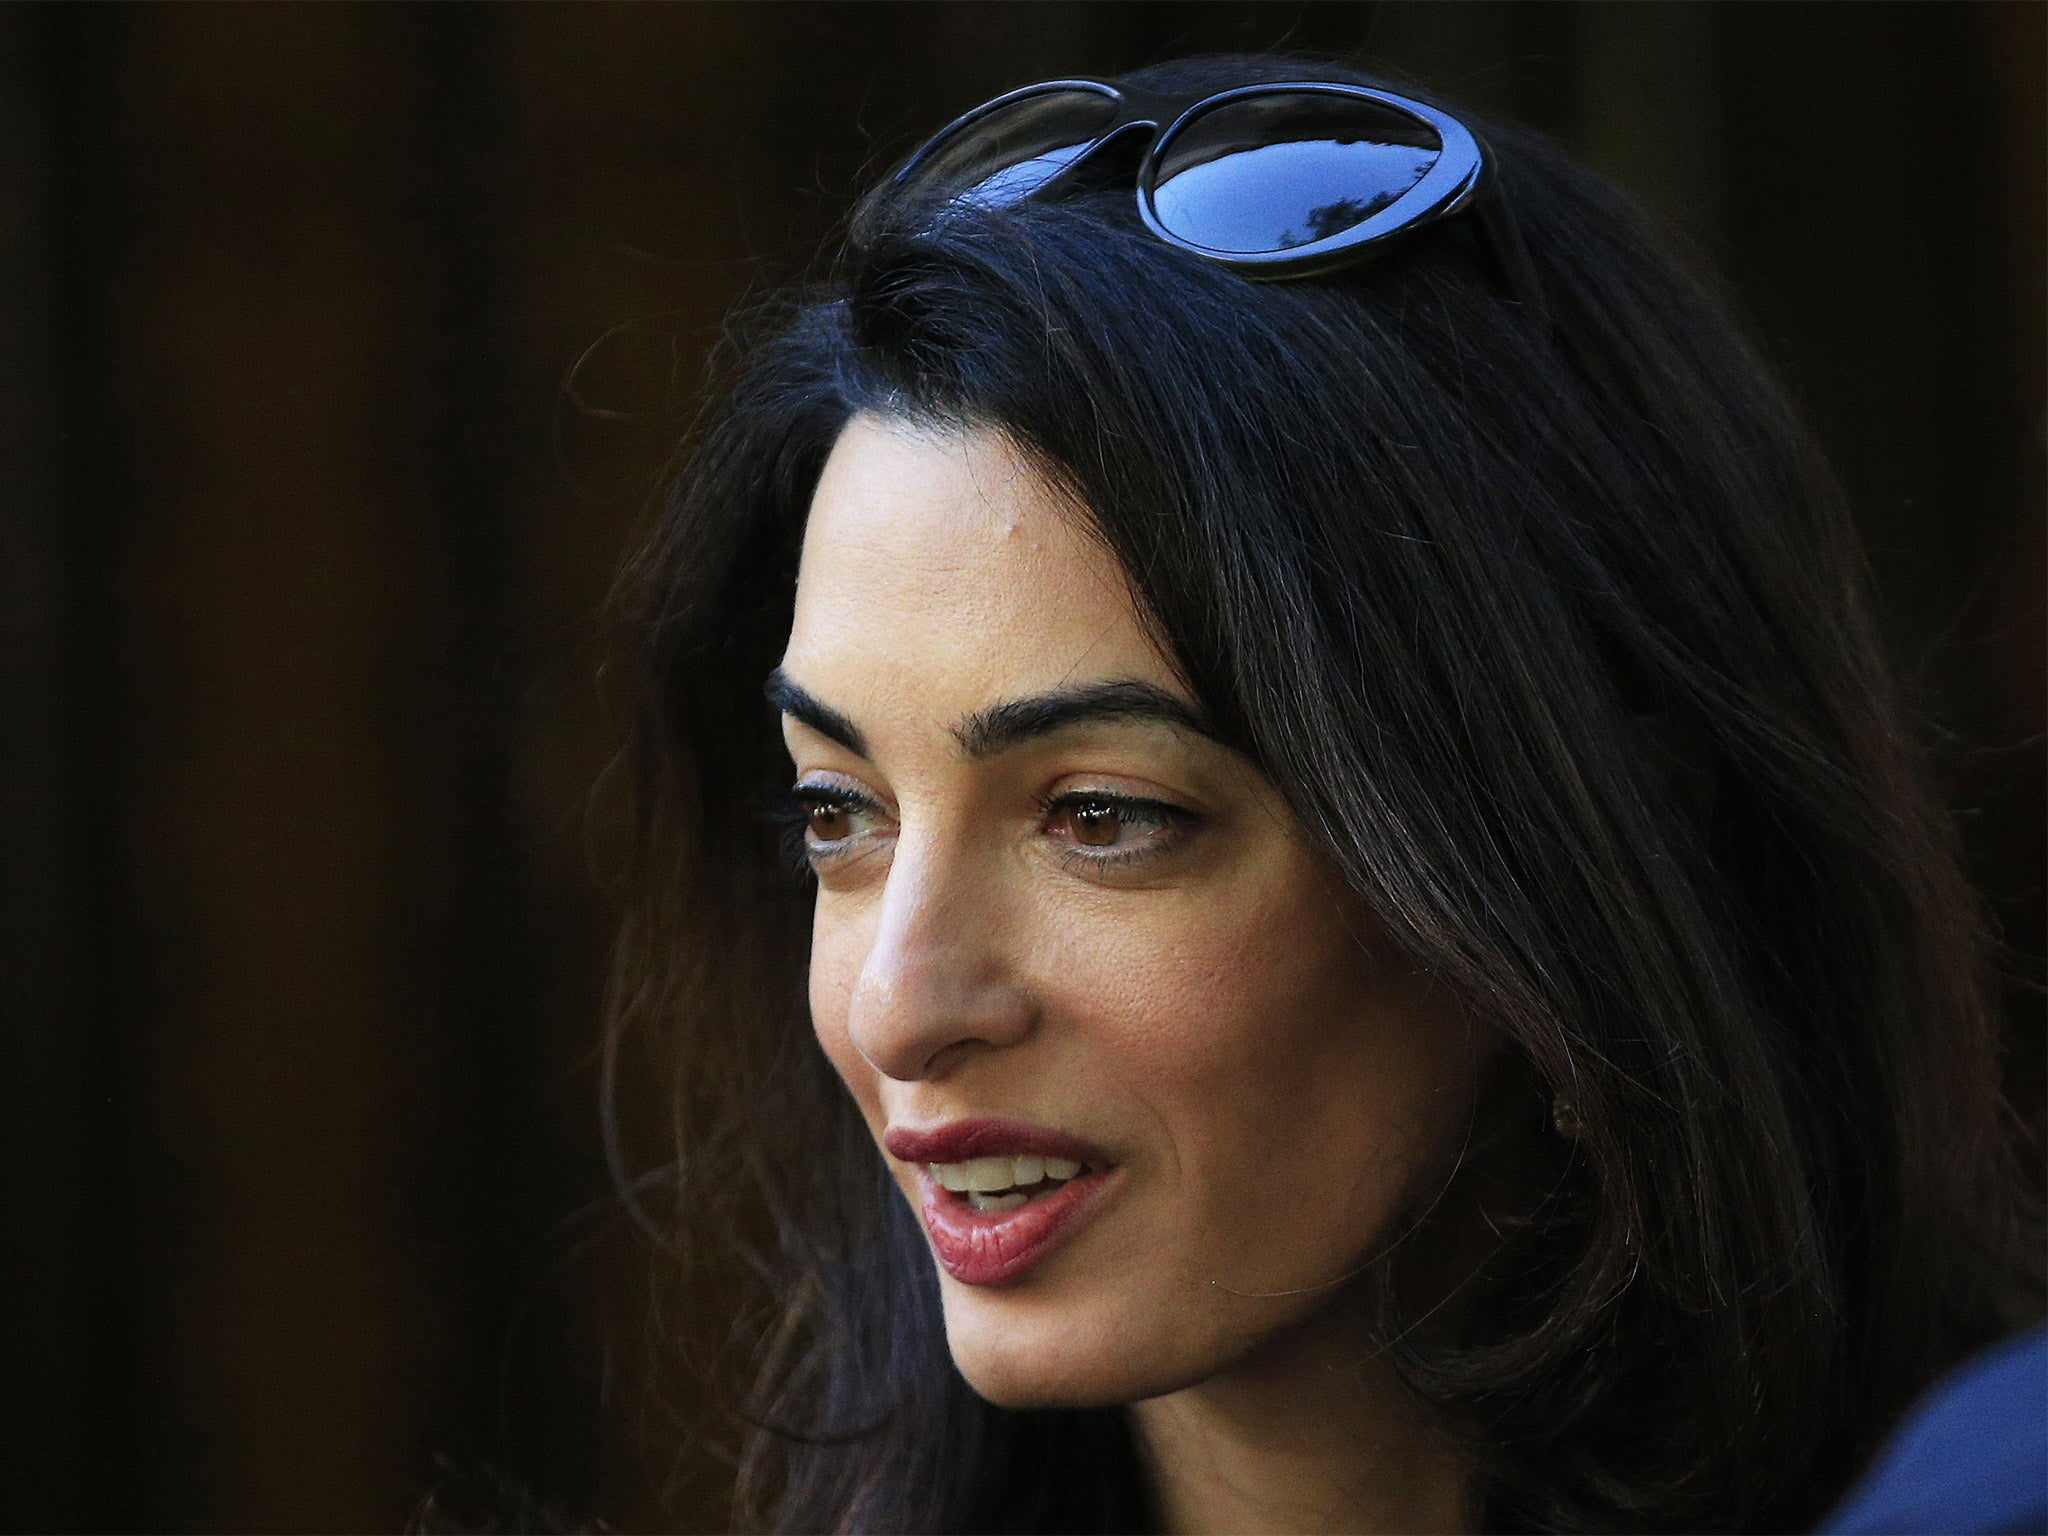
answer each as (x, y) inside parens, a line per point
(991, 1246)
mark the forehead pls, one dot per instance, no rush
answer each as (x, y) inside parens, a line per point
(943, 563)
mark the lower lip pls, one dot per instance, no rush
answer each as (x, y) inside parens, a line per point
(994, 1247)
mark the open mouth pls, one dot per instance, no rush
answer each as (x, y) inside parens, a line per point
(995, 1234)
(1004, 1183)
(1000, 1195)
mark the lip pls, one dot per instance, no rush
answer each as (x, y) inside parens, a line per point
(986, 1248)
(988, 1136)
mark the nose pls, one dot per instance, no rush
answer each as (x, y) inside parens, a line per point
(937, 983)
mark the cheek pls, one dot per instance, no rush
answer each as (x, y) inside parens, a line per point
(1276, 1053)
(836, 956)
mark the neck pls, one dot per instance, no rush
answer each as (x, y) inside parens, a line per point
(1309, 1436)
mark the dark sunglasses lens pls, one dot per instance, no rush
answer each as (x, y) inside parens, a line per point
(1276, 171)
(1012, 152)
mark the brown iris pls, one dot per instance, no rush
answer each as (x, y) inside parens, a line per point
(829, 823)
(1095, 825)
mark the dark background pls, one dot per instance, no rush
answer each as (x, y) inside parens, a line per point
(306, 536)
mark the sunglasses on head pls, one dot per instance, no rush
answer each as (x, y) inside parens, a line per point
(1273, 181)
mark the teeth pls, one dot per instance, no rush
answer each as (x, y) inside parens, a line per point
(983, 1202)
(985, 1176)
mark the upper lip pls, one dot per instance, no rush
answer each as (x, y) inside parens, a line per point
(987, 1136)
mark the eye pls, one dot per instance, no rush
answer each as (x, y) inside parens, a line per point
(1095, 823)
(1105, 828)
(827, 819)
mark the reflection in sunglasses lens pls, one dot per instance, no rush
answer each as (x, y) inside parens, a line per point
(1011, 153)
(1274, 172)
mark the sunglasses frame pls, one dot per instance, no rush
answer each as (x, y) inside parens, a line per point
(1458, 181)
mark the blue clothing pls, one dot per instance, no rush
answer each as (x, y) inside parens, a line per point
(1971, 1456)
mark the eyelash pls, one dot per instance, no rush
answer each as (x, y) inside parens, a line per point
(1169, 823)
(795, 817)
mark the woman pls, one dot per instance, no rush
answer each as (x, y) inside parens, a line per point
(1377, 955)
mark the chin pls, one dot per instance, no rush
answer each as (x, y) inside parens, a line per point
(1025, 1352)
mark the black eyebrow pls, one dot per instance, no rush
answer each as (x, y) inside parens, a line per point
(786, 696)
(1000, 727)
(1003, 726)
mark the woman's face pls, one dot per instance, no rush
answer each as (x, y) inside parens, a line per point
(1058, 923)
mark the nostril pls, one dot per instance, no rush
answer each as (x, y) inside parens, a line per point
(925, 1032)
(936, 982)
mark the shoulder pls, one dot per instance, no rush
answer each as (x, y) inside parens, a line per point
(1971, 1456)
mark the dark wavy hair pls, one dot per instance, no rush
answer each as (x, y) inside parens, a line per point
(1553, 638)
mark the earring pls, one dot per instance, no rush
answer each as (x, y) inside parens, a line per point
(1564, 1118)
